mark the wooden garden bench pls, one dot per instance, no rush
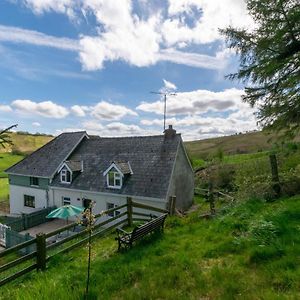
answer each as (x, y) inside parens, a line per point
(126, 239)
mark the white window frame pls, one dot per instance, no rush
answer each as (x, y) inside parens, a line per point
(110, 205)
(66, 199)
(63, 174)
(117, 176)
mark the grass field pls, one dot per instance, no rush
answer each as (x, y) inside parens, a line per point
(251, 142)
(26, 143)
(3, 189)
(250, 251)
(7, 160)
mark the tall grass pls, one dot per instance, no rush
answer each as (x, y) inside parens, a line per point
(250, 251)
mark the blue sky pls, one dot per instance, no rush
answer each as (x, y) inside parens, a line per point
(91, 64)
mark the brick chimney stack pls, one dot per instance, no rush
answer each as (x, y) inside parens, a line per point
(170, 132)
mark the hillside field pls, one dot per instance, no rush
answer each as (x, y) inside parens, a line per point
(251, 142)
(249, 251)
(26, 143)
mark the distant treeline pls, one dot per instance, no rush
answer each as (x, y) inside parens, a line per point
(35, 134)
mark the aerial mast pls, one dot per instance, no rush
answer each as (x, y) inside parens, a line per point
(165, 94)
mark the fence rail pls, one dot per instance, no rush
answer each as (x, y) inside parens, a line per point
(42, 253)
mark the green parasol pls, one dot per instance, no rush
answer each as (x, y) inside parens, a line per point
(66, 211)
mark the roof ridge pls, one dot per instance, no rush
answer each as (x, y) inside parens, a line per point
(135, 136)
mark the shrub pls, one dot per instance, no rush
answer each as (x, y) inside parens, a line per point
(263, 232)
(16, 151)
(290, 183)
(222, 177)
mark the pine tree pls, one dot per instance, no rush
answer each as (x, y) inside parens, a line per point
(270, 62)
(4, 136)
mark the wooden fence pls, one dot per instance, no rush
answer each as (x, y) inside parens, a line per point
(45, 251)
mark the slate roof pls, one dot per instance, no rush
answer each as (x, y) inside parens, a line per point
(74, 165)
(123, 166)
(45, 161)
(151, 158)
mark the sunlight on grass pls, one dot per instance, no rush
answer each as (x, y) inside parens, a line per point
(6, 161)
(248, 252)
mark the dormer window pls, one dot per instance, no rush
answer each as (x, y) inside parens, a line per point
(69, 170)
(65, 176)
(116, 173)
(114, 179)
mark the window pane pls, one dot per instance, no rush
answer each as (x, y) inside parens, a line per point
(68, 176)
(34, 181)
(111, 177)
(117, 182)
(66, 201)
(29, 201)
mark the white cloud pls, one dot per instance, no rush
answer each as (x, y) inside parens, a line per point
(5, 108)
(140, 39)
(20, 35)
(107, 111)
(192, 59)
(36, 124)
(194, 102)
(61, 6)
(46, 109)
(79, 111)
(209, 17)
(92, 125)
(169, 85)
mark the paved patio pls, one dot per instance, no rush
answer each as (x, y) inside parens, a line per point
(45, 227)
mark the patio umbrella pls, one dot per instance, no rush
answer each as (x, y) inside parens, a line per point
(66, 211)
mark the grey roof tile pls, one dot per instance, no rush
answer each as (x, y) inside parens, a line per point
(151, 158)
(45, 161)
(74, 165)
(123, 166)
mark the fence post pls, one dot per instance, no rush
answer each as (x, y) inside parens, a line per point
(41, 251)
(275, 176)
(129, 211)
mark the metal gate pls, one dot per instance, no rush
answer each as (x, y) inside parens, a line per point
(3, 228)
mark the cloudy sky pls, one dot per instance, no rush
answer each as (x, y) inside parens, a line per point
(91, 64)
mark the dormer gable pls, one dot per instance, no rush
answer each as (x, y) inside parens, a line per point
(69, 169)
(116, 173)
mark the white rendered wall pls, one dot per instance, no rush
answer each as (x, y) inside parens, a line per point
(17, 199)
(100, 199)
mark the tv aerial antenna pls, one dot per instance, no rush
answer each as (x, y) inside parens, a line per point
(165, 94)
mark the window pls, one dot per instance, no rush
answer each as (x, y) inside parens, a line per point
(113, 213)
(65, 176)
(34, 181)
(29, 201)
(114, 179)
(66, 201)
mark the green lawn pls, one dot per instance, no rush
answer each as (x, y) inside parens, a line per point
(7, 160)
(250, 251)
(3, 189)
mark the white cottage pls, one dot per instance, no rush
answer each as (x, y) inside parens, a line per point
(76, 168)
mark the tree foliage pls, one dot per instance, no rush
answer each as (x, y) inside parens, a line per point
(270, 62)
(4, 136)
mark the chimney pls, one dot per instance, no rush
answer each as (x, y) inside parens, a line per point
(170, 132)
